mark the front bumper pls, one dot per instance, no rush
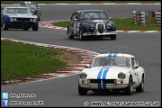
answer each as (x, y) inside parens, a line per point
(108, 86)
(99, 34)
(100, 84)
(21, 24)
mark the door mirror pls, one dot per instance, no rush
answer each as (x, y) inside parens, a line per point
(74, 19)
(109, 18)
(87, 66)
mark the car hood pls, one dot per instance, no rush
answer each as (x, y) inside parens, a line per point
(22, 16)
(95, 21)
(105, 72)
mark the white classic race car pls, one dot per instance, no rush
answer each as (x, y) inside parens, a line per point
(112, 72)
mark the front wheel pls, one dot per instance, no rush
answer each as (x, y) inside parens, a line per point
(4, 25)
(129, 89)
(82, 91)
(81, 35)
(140, 88)
(35, 28)
(69, 35)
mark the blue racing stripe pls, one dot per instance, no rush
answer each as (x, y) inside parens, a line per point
(104, 77)
(110, 55)
(99, 77)
(115, 54)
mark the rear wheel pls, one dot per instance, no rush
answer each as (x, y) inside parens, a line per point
(81, 90)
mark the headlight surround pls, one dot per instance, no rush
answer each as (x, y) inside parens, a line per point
(11, 19)
(92, 26)
(35, 20)
(83, 76)
(108, 25)
(121, 75)
(15, 19)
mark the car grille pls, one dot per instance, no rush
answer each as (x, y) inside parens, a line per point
(107, 81)
(100, 28)
(23, 19)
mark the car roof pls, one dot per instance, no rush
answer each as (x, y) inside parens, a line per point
(115, 55)
(90, 10)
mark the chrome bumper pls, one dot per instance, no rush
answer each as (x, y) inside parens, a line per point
(99, 34)
(108, 86)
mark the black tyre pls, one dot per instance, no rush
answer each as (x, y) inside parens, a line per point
(81, 35)
(4, 25)
(113, 37)
(39, 19)
(35, 28)
(69, 35)
(81, 90)
(129, 89)
(140, 88)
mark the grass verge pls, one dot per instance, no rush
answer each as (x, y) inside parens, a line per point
(20, 60)
(123, 24)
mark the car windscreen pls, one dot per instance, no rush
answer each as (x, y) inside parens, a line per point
(93, 15)
(17, 11)
(111, 61)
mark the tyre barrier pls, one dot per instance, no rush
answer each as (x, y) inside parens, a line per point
(139, 18)
(158, 17)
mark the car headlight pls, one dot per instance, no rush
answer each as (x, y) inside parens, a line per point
(92, 26)
(83, 75)
(35, 20)
(121, 75)
(108, 25)
(11, 19)
(15, 19)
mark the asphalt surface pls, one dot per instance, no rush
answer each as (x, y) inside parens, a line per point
(146, 47)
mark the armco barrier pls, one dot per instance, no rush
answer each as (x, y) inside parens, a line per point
(158, 17)
(139, 18)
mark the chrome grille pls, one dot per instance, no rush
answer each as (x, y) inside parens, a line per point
(23, 19)
(100, 28)
(107, 81)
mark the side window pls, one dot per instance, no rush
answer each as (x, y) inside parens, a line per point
(74, 16)
(133, 63)
(136, 62)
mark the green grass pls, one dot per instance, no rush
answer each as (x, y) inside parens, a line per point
(14, 2)
(19, 61)
(123, 24)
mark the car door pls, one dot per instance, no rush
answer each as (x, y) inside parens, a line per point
(73, 23)
(134, 73)
(137, 70)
